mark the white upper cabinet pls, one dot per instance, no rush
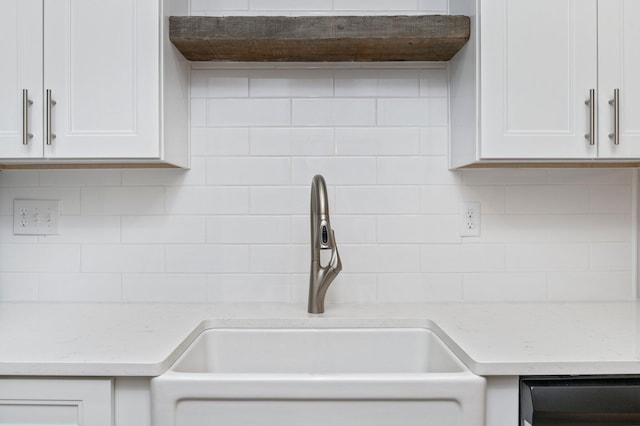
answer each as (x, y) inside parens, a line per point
(99, 88)
(619, 69)
(534, 83)
(21, 78)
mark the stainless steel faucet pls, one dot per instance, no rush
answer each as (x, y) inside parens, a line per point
(322, 238)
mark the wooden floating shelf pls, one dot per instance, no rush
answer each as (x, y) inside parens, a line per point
(319, 38)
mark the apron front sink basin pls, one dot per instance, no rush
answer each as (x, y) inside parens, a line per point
(318, 351)
(342, 376)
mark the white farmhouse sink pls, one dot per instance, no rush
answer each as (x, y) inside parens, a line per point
(318, 351)
(338, 376)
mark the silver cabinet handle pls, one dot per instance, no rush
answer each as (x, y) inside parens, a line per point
(50, 103)
(26, 102)
(616, 117)
(591, 102)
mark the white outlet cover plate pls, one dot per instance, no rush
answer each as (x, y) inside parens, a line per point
(36, 217)
(470, 219)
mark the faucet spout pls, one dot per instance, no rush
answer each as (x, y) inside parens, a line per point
(322, 238)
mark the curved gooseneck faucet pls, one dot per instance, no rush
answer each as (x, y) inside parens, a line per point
(322, 238)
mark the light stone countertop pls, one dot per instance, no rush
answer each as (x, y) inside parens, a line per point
(78, 339)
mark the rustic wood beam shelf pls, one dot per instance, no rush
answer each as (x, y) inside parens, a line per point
(319, 38)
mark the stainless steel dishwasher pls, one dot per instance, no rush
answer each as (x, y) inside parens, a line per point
(580, 400)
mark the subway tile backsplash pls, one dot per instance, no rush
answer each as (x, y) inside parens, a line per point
(235, 228)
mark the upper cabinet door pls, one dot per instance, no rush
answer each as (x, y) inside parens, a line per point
(539, 62)
(101, 64)
(619, 68)
(21, 78)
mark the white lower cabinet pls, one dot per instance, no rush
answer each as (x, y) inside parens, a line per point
(126, 401)
(502, 401)
(56, 401)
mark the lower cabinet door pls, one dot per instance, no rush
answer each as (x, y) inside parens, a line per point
(56, 401)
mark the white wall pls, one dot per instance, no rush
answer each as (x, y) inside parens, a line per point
(235, 227)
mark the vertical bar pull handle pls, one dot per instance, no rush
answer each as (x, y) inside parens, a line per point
(616, 117)
(50, 136)
(591, 102)
(26, 102)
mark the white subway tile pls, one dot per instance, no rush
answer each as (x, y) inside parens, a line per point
(358, 141)
(206, 5)
(122, 258)
(589, 176)
(248, 112)
(206, 200)
(352, 229)
(547, 199)
(336, 170)
(419, 288)
(198, 112)
(263, 288)
(505, 287)
(291, 83)
(290, 5)
(372, 5)
(365, 259)
(219, 84)
(591, 286)
(459, 258)
(412, 112)
(163, 229)
(81, 177)
(379, 199)
(80, 288)
(86, 229)
(39, 258)
(547, 257)
(249, 229)
(555, 228)
(377, 83)
(103, 201)
(610, 257)
(199, 258)
(219, 141)
(428, 229)
(402, 170)
(506, 177)
(334, 112)
(442, 199)
(610, 199)
(278, 259)
(434, 140)
(434, 83)
(292, 141)
(433, 6)
(248, 171)
(166, 288)
(280, 200)
(20, 178)
(18, 287)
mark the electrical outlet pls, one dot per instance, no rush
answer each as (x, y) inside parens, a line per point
(36, 217)
(470, 219)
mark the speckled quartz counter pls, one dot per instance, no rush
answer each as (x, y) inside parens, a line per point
(492, 339)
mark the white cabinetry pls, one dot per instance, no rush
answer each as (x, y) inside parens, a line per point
(56, 402)
(518, 89)
(118, 88)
